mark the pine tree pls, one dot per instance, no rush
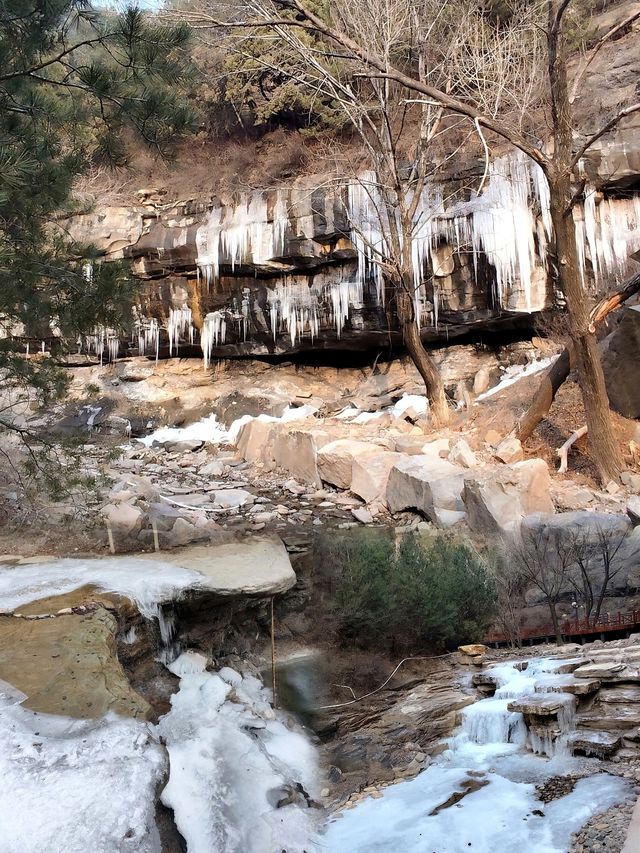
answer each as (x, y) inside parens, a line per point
(75, 85)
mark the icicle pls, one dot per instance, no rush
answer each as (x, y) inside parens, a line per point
(214, 332)
(180, 322)
(610, 230)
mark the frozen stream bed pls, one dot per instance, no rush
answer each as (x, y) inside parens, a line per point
(480, 794)
(242, 778)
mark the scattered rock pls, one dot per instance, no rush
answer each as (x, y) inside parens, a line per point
(510, 450)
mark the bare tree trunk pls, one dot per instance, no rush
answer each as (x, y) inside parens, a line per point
(559, 370)
(427, 368)
(604, 449)
(545, 395)
(555, 622)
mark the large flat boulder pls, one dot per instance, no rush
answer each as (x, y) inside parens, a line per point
(497, 499)
(335, 460)
(428, 484)
(370, 474)
(255, 567)
(600, 744)
(256, 441)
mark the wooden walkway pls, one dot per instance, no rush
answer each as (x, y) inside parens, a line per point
(573, 628)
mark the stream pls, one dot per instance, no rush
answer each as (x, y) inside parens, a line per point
(240, 777)
(480, 794)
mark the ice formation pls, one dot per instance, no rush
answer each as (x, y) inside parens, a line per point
(241, 233)
(101, 340)
(503, 812)
(70, 786)
(146, 583)
(180, 324)
(232, 762)
(608, 231)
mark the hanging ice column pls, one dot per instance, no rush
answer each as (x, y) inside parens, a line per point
(180, 323)
(242, 233)
(608, 232)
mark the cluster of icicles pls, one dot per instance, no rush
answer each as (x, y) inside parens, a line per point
(508, 223)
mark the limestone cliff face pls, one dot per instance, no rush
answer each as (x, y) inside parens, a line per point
(291, 269)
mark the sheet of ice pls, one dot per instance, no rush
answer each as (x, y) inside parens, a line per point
(516, 372)
(70, 786)
(497, 817)
(208, 429)
(232, 759)
(144, 582)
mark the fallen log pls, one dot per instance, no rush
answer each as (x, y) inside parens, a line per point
(554, 377)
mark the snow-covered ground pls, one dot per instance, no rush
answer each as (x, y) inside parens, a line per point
(74, 786)
(210, 431)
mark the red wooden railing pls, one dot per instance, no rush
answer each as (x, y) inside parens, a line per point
(574, 627)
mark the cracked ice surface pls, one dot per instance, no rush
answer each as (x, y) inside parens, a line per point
(73, 786)
(232, 758)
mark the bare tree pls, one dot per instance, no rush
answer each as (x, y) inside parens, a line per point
(542, 561)
(510, 585)
(487, 102)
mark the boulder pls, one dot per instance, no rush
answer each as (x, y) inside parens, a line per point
(438, 448)
(482, 380)
(633, 509)
(497, 499)
(509, 450)
(68, 665)
(259, 566)
(296, 452)
(473, 649)
(187, 446)
(599, 744)
(538, 704)
(427, 484)
(184, 533)
(620, 364)
(461, 454)
(123, 518)
(215, 468)
(610, 669)
(370, 474)
(256, 441)
(362, 515)
(232, 498)
(335, 460)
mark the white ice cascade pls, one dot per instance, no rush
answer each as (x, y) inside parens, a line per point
(148, 334)
(244, 233)
(180, 324)
(502, 223)
(608, 232)
(101, 340)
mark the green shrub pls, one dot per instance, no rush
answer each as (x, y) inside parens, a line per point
(434, 594)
